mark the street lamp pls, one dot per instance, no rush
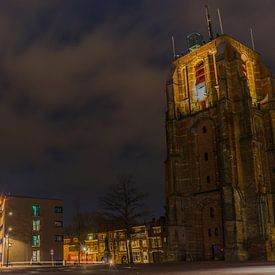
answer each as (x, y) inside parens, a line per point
(85, 253)
(8, 248)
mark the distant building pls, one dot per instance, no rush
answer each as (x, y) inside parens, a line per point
(148, 244)
(220, 167)
(31, 230)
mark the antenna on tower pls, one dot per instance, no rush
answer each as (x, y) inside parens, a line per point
(252, 39)
(209, 24)
(173, 46)
(220, 21)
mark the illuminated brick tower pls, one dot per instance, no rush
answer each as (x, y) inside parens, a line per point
(220, 167)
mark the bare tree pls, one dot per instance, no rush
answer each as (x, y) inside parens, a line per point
(124, 204)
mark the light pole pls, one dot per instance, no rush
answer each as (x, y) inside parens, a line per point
(8, 245)
(85, 254)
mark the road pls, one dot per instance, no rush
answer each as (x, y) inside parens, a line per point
(202, 268)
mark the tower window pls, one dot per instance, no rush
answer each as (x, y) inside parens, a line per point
(206, 156)
(208, 179)
(204, 129)
(212, 212)
(200, 73)
(209, 232)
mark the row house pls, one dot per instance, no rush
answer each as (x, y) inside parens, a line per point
(148, 245)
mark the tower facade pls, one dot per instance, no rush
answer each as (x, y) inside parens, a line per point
(220, 167)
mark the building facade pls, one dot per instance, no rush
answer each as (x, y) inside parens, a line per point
(148, 245)
(220, 167)
(31, 230)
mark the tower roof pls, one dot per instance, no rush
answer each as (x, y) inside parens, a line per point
(219, 44)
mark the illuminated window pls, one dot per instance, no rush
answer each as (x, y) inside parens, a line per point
(58, 209)
(67, 241)
(135, 243)
(200, 73)
(36, 256)
(35, 225)
(36, 240)
(156, 242)
(244, 72)
(58, 238)
(212, 212)
(136, 256)
(157, 230)
(58, 223)
(36, 210)
(200, 85)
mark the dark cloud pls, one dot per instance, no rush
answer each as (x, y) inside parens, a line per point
(82, 88)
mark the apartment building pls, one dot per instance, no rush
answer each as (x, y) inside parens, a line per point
(31, 230)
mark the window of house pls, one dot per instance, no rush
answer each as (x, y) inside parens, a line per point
(36, 210)
(58, 209)
(59, 238)
(36, 256)
(58, 223)
(144, 243)
(136, 256)
(67, 241)
(216, 232)
(208, 179)
(35, 225)
(156, 242)
(206, 156)
(209, 232)
(212, 212)
(204, 129)
(156, 230)
(122, 246)
(36, 240)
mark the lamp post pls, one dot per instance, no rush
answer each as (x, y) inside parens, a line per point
(8, 249)
(7, 240)
(85, 254)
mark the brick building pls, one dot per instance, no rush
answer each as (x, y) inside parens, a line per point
(220, 167)
(148, 243)
(31, 230)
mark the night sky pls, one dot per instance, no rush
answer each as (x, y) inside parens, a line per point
(82, 89)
